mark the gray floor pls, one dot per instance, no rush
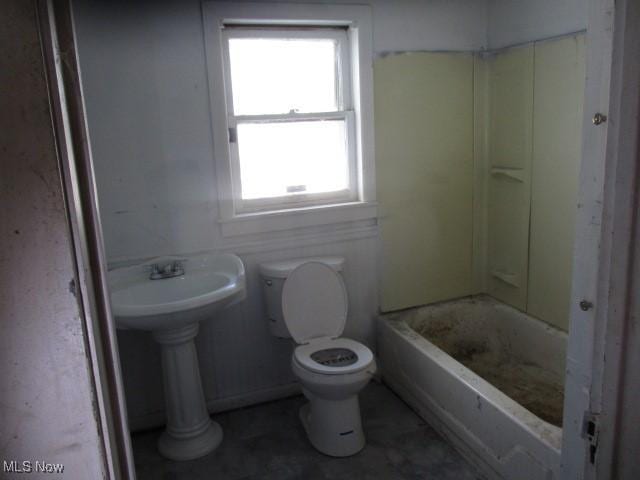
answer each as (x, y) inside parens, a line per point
(268, 442)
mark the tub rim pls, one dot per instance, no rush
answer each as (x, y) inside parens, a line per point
(550, 434)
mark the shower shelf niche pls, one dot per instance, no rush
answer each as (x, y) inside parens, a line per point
(516, 174)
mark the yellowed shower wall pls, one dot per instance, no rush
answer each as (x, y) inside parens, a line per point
(509, 124)
(424, 166)
(533, 127)
(477, 164)
(557, 127)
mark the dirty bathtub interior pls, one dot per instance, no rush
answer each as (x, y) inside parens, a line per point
(487, 375)
(478, 337)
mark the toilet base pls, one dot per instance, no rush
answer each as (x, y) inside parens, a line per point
(334, 427)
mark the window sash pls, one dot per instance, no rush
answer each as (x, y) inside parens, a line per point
(293, 200)
(344, 112)
(339, 35)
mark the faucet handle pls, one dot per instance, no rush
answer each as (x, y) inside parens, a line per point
(178, 265)
(154, 270)
(166, 268)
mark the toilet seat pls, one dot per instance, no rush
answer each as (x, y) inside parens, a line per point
(303, 355)
(314, 307)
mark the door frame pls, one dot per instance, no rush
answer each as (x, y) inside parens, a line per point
(57, 37)
(603, 272)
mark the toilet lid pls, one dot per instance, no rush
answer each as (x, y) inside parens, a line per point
(314, 302)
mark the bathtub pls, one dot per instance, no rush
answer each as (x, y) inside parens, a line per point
(495, 432)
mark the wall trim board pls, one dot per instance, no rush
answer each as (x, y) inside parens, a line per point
(592, 251)
(288, 220)
(615, 373)
(253, 244)
(54, 406)
(67, 108)
(484, 51)
(217, 405)
(494, 51)
(480, 178)
(381, 55)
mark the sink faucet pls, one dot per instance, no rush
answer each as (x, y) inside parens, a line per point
(168, 270)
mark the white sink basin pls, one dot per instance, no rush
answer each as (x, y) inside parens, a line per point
(210, 283)
(172, 308)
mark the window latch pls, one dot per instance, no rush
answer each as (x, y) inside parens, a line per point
(233, 135)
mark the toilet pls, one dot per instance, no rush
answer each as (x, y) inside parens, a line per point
(307, 300)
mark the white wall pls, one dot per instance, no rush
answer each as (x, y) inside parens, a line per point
(145, 85)
(512, 22)
(146, 90)
(414, 25)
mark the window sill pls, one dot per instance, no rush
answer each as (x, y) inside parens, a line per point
(272, 221)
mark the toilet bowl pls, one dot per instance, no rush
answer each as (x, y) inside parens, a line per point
(332, 370)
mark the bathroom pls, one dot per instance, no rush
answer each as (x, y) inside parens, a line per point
(428, 238)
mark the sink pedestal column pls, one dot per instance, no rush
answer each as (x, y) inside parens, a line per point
(190, 432)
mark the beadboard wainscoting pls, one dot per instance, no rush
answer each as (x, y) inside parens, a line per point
(240, 362)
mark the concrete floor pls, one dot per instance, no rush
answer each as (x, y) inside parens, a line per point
(267, 442)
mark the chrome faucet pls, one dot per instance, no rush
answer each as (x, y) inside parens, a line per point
(168, 270)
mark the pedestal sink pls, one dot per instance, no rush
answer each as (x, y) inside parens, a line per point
(185, 291)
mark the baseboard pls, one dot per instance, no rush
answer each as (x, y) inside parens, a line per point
(217, 405)
(253, 398)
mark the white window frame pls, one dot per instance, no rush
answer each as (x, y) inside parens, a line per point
(353, 24)
(344, 112)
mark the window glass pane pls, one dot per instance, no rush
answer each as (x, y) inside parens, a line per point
(280, 75)
(288, 158)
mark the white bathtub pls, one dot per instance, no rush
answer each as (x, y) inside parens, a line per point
(497, 434)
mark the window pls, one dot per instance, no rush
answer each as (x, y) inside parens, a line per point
(292, 112)
(291, 134)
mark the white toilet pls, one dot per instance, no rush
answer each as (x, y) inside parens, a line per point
(309, 297)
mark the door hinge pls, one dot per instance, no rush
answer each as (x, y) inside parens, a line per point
(591, 432)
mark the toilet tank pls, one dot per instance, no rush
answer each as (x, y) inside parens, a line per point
(273, 275)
